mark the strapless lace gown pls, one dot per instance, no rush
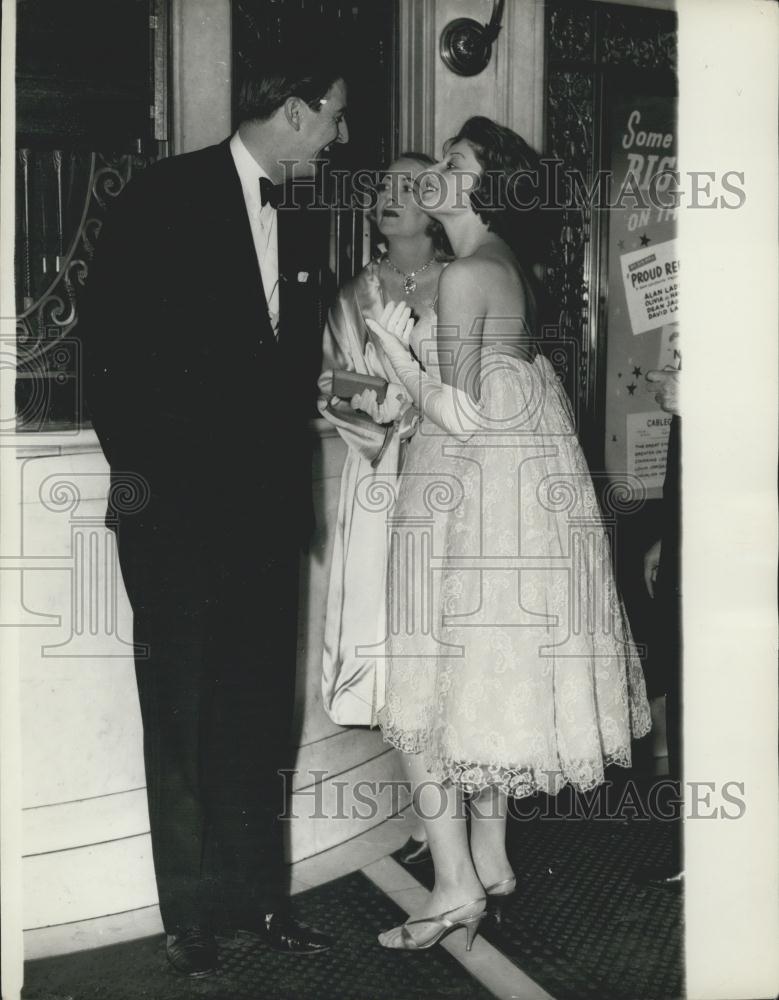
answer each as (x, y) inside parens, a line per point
(509, 659)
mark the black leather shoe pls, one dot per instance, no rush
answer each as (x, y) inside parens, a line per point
(192, 952)
(285, 934)
(414, 851)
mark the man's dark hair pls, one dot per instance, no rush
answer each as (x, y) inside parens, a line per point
(284, 72)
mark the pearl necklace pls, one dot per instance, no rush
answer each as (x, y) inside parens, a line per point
(409, 277)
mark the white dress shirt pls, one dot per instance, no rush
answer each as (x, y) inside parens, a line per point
(263, 222)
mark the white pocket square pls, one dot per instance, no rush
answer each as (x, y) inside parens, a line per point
(302, 277)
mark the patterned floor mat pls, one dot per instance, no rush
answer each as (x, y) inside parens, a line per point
(358, 968)
(578, 925)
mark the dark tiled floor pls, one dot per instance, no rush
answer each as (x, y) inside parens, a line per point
(578, 925)
(358, 968)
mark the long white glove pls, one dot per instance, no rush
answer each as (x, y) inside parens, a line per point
(449, 408)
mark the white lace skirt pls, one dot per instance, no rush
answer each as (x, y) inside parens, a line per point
(510, 660)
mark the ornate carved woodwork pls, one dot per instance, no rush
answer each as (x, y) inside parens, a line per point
(591, 48)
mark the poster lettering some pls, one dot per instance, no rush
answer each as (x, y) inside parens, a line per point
(643, 301)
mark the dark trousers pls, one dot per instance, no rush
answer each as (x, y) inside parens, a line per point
(216, 690)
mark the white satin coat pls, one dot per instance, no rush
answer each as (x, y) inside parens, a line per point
(353, 665)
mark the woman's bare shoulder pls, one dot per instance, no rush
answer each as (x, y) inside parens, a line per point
(495, 274)
(467, 275)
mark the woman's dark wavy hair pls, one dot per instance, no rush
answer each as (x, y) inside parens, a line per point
(510, 190)
(441, 244)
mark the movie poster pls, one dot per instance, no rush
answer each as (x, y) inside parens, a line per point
(643, 287)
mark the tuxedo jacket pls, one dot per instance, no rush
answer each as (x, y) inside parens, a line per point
(185, 383)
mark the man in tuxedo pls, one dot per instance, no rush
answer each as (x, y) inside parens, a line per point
(198, 325)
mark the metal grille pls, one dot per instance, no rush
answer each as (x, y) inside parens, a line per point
(91, 111)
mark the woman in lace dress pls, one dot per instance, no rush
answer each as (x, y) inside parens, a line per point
(511, 667)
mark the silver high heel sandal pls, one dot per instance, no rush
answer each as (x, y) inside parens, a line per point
(444, 925)
(497, 895)
(503, 888)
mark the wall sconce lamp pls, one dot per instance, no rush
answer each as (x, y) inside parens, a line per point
(466, 45)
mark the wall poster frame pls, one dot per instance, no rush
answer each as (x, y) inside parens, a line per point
(596, 55)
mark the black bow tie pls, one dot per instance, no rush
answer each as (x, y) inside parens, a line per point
(270, 193)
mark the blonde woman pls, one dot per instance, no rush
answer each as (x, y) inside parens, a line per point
(407, 270)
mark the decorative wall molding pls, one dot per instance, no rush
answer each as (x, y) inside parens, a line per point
(570, 32)
(417, 50)
(588, 44)
(519, 52)
(637, 38)
(669, 5)
(570, 139)
(201, 77)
